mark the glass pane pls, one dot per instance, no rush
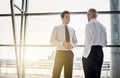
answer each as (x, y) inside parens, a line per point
(40, 27)
(6, 30)
(38, 53)
(71, 5)
(39, 61)
(5, 7)
(7, 62)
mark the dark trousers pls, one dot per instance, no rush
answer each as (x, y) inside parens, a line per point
(92, 65)
(63, 58)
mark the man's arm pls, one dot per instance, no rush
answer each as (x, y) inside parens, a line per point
(88, 40)
(88, 35)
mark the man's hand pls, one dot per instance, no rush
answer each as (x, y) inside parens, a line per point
(67, 45)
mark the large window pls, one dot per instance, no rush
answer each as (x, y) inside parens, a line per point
(39, 58)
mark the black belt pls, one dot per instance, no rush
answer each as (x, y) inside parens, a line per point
(96, 46)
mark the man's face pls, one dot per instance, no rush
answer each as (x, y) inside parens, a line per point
(89, 17)
(66, 19)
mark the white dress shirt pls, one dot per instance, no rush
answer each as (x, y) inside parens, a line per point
(58, 37)
(95, 34)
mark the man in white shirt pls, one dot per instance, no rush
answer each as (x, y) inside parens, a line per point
(95, 39)
(64, 38)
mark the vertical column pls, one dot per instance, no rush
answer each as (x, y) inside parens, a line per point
(115, 39)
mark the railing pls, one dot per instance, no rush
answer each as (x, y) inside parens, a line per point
(45, 66)
(36, 67)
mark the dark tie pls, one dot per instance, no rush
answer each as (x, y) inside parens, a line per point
(67, 36)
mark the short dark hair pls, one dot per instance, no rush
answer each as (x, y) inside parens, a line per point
(63, 13)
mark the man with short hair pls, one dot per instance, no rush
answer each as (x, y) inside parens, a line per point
(64, 38)
(95, 39)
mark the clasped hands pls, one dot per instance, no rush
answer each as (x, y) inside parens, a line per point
(67, 45)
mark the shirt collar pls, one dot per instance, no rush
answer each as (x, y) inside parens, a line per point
(93, 19)
(64, 25)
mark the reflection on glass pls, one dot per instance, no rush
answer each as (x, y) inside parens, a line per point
(7, 62)
(41, 61)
